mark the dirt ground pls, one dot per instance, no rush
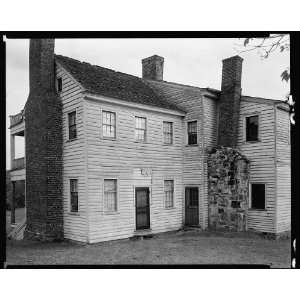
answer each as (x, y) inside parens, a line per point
(183, 247)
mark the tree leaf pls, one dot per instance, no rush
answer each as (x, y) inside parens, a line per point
(246, 41)
(285, 75)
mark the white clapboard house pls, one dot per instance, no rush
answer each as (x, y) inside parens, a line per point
(110, 155)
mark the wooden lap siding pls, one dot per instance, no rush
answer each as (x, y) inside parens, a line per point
(75, 225)
(262, 162)
(117, 159)
(283, 168)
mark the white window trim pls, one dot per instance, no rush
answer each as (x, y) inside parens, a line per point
(117, 211)
(250, 197)
(147, 128)
(186, 133)
(258, 114)
(101, 124)
(174, 190)
(67, 124)
(75, 213)
(163, 138)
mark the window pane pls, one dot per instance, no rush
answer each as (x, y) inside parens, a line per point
(72, 125)
(110, 195)
(252, 128)
(169, 193)
(168, 132)
(74, 195)
(109, 124)
(258, 196)
(140, 129)
(192, 133)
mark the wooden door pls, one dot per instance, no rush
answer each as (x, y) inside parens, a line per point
(142, 208)
(191, 206)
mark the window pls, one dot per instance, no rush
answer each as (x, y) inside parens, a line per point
(192, 133)
(59, 84)
(168, 132)
(110, 195)
(74, 195)
(140, 129)
(251, 128)
(169, 193)
(109, 124)
(72, 125)
(257, 196)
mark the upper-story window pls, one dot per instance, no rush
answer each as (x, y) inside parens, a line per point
(251, 128)
(168, 132)
(140, 129)
(108, 124)
(192, 132)
(59, 84)
(72, 125)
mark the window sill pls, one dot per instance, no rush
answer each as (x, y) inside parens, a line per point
(257, 209)
(111, 213)
(71, 140)
(164, 144)
(74, 213)
(252, 142)
(108, 138)
(170, 208)
(140, 142)
(192, 145)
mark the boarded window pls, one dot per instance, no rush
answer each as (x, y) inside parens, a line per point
(110, 195)
(74, 195)
(258, 196)
(252, 128)
(168, 132)
(140, 129)
(72, 125)
(169, 193)
(192, 133)
(283, 126)
(109, 124)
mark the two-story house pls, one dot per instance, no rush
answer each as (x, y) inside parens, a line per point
(110, 155)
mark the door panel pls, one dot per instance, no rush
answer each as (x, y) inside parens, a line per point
(142, 208)
(191, 206)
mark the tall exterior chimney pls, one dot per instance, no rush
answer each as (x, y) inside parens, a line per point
(229, 105)
(153, 67)
(43, 136)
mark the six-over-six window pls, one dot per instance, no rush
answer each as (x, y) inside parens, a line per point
(72, 125)
(110, 195)
(140, 129)
(169, 193)
(108, 124)
(192, 132)
(168, 132)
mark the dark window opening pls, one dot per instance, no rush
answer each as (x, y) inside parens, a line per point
(59, 84)
(252, 128)
(74, 195)
(192, 133)
(257, 196)
(193, 197)
(72, 125)
(235, 204)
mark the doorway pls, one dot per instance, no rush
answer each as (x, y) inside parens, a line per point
(142, 208)
(191, 206)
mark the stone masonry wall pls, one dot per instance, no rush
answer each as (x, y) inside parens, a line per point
(228, 178)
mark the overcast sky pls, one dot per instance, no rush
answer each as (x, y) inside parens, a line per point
(189, 61)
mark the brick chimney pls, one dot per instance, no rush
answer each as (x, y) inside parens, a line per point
(153, 67)
(229, 105)
(43, 136)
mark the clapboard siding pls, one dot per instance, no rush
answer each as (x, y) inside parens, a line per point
(262, 162)
(75, 225)
(283, 165)
(119, 158)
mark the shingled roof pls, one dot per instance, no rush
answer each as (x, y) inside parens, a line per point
(107, 82)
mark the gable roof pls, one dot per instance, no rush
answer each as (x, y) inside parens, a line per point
(110, 83)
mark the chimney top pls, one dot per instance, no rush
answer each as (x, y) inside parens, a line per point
(153, 67)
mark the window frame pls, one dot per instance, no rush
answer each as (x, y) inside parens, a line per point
(250, 197)
(70, 196)
(254, 114)
(187, 132)
(173, 198)
(68, 124)
(145, 130)
(59, 79)
(172, 133)
(101, 124)
(116, 211)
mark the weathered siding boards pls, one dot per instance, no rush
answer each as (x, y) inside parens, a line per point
(117, 159)
(190, 100)
(73, 158)
(283, 170)
(262, 162)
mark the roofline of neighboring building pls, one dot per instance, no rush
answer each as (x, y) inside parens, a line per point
(92, 96)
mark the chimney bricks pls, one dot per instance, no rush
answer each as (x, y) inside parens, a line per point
(229, 105)
(153, 67)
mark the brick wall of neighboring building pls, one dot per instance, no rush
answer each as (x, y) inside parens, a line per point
(43, 133)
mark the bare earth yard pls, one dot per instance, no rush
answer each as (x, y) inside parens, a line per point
(183, 247)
